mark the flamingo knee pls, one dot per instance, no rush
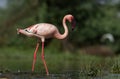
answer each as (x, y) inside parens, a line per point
(42, 57)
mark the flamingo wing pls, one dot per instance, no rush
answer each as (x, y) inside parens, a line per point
(43, 29)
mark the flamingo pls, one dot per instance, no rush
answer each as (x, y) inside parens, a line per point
(43, 31)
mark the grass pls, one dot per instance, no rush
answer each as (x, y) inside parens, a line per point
(16, 59)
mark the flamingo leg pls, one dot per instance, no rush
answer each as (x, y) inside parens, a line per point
(34, 57)
(42, 56)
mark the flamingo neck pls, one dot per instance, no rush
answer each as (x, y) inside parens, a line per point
(64, 35)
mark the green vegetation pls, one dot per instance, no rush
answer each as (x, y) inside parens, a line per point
(93, 20)
(17, 59)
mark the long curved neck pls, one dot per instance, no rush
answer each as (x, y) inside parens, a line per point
(64, 35)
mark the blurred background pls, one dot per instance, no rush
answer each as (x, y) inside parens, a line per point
(97, 32)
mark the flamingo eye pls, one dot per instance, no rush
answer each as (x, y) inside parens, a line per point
(26, 30)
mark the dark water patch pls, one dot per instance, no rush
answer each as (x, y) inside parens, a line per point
(38, 75)
(64, 75)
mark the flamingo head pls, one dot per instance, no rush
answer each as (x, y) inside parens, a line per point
(22, 31)
(71, 19)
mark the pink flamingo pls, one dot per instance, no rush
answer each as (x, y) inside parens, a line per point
(45, 30)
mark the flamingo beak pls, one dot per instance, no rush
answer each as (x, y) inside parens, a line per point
(18, 31)
(73, 24)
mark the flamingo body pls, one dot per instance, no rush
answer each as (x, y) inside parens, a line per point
(43, 29)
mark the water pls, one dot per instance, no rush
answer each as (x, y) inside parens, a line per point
(65, 75)
(62, 67)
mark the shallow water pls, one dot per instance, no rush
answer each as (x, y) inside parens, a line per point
(68, 66)
(65, 75)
